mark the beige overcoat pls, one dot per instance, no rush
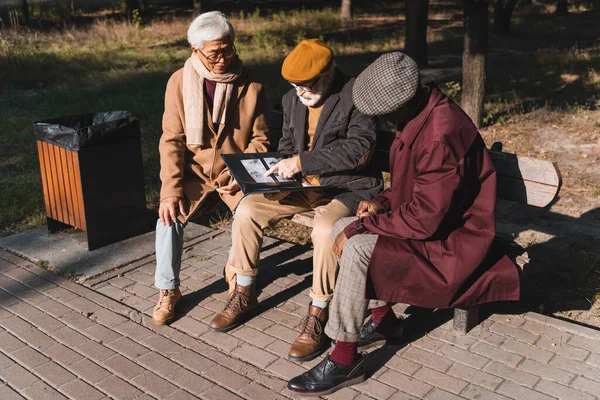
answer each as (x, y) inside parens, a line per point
(192, 172)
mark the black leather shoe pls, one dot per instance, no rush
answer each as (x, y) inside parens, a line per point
(373, 334)
(327, 377)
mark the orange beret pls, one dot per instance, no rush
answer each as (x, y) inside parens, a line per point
(309, 59)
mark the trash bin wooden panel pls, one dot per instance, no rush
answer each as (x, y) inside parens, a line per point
(61, 182)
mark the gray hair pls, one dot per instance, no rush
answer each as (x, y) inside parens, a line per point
(212, 25)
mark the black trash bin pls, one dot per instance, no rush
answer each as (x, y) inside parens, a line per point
(92, 175)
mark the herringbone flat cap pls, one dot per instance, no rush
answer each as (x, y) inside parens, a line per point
(386, 85)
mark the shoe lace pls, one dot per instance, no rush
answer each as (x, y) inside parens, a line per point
(311, 325)
(236, 302)
(165, 300)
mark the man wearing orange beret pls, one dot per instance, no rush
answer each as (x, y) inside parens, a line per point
(329, 143)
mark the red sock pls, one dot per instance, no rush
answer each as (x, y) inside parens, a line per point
(344, 353)
(379, 313)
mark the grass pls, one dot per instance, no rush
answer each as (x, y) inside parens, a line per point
(111, 65)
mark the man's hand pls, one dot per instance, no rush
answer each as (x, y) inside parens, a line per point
(338, 245)
(230, 189)
(368, 208)
(286, 168)
(168, 209)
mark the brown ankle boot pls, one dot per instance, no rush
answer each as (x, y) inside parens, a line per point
(312, 340)
(164, 311)
(241, 302)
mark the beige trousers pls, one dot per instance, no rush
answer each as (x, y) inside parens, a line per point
(256, 212)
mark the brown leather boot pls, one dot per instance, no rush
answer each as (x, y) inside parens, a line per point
(312, 341)
(164, 311)
(241, 302)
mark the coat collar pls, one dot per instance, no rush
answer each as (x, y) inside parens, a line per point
(333, 98)
(412, 129)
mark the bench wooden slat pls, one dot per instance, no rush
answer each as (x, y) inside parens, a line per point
(525, 192)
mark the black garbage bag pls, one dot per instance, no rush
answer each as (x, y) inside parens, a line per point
(80, 131)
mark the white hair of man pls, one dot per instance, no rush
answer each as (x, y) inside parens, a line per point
(212, 25)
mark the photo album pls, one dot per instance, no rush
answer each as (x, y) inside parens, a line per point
(249, 172)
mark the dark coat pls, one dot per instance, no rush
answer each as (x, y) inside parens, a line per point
(435, 246)
(342, 147)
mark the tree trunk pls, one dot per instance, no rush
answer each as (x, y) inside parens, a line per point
(131, 5)
(416, 31)
(25, 11)
(474, 58)
(562, 7)
(502, 13)
(346, 11)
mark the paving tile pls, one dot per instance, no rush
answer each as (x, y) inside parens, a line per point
(18, 377)
(61, 294)
(54, 308)
(429, 359)
(63, 355)
(516, 333)
(399, 396)
(255, 391)
(519, 392)
(218, 393)
(162, 344)
(128, 347)
(95, 351)
(78, 389)
(9, 343)
(123, 366)
(403, 365)
(438, 394)
(586, 385)
(83, 305)
(462, 356)
(406, 384)
(101, 333)
(181, 395)
(453, 337)
(6, 393)
(70, 337)
(157, 363)
(254, 337)
(193, 361)
(440, 380)
(576, 367)
(545, 371)
(254, 355)
(28, 357)
(38, 340)
(474, 376)
(344, 394)
(191, 382)
(41, 390)
(221, 341)
(54, 374)
(6, 362)
(89, 370)
(375, 389)
(190, 325)
(512, 374)
(107, 317)
(133, 330)
(118, 388)
(226, 378)
(25, 311)
(585, 343)
(562, 392)
(527, 350)
(285, 369)
(17, 325)
(154, 384)
(478, 393)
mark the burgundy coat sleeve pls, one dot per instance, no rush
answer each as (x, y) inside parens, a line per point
(435, 183)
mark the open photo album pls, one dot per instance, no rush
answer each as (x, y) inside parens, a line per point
(249, 172)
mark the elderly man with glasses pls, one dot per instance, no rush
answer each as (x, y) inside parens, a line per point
(329, 143)
(213, 106)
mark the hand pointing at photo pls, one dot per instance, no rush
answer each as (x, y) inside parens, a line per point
(286, 168)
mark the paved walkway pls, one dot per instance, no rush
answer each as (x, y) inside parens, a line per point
(59, 339)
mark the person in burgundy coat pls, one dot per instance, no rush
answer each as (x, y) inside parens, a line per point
(425, 241)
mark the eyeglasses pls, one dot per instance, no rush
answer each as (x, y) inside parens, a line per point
(226, 53)
(306, 86)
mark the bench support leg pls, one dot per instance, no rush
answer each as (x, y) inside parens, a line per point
(465, 320)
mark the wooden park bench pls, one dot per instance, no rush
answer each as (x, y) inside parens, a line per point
(523, 180)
